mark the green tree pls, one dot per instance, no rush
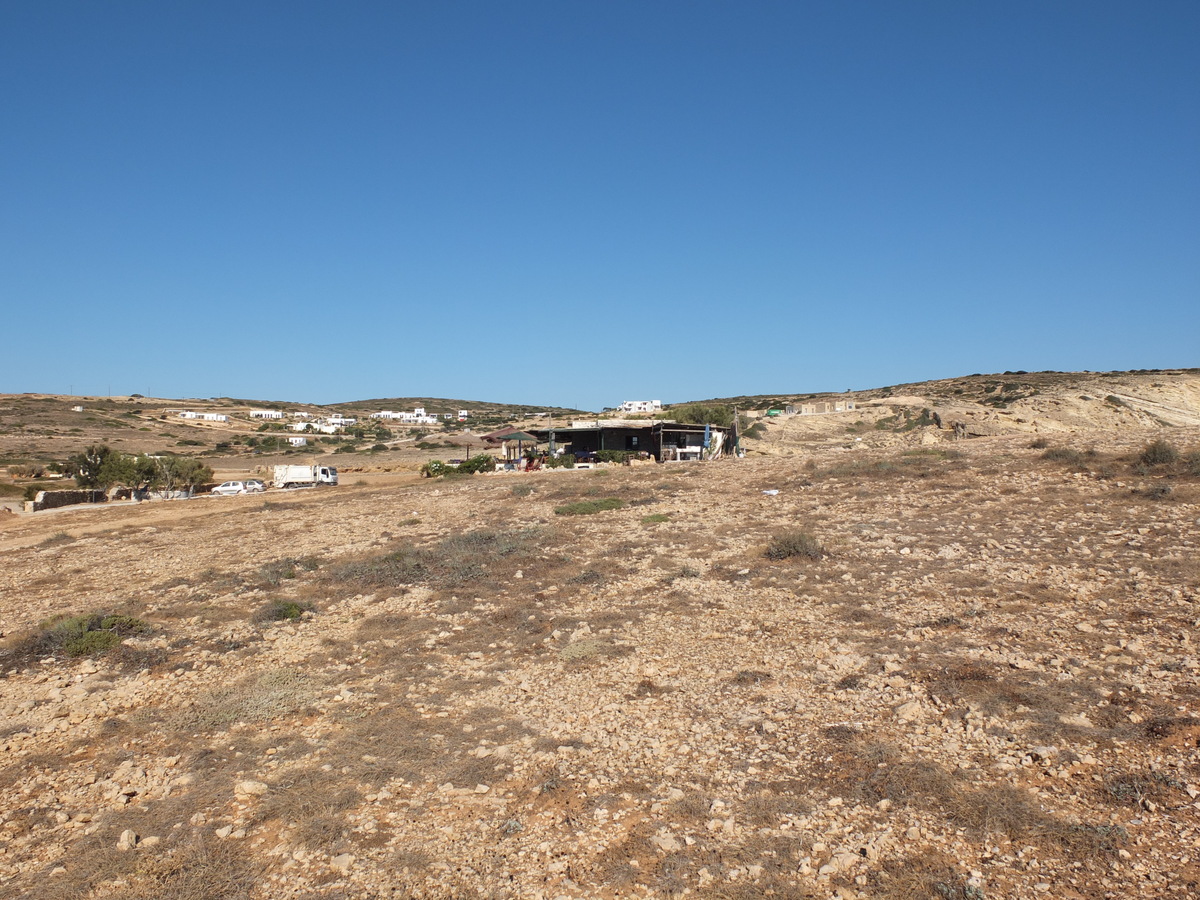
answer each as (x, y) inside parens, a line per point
(86, 467)
(176, 473)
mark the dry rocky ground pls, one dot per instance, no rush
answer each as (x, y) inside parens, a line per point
(982, 684)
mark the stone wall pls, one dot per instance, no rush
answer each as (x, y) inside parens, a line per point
(55, 499)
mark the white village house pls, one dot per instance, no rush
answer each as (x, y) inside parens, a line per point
(641, 406)
(416, 417)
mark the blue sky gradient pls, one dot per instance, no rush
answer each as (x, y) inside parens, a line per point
(582, 203)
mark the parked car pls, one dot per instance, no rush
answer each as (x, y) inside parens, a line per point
(253, 485)
(234, 487)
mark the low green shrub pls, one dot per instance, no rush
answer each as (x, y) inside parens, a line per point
(588, 507)
(283, 611)
(435, 468)
(86, 635)
(482, 462)
(655, 519)
(614, 456)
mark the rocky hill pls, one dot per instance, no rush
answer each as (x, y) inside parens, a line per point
(1049, 404)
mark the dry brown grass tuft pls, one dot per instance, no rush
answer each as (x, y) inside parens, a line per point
(256, 698)
(314, 802)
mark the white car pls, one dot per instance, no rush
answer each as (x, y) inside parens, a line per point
(237, 487)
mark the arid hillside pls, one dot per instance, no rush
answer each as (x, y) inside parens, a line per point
(1050, 404)
(896, 667)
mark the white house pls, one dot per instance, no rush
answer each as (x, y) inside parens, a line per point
(188, 414)
(297, 414)
(641, 406)
(339, 419)
(463, 414)
(297, 441)
(265, 414)
(416, 417)
(214, 417)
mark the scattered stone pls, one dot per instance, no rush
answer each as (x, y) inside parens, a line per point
(250, 789)
(128, 840)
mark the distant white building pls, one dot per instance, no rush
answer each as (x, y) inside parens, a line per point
(265, 414)
(297, 441)
(188, 414)
(463, 414)
(297, 414)
(339, 419)
(641, 406)
(416, 417)
(214, 417)
(322, 425)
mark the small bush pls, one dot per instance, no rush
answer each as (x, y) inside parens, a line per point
(283, 611)
(1064, 455)
(614, 456)
(1159, 453)
(91, 643)
(1039, 444)
(75, 636)
(521, 490)
(655, 519)
(282, 569)
(482, 462)
(793, 544)
(588, 507)
(1157, 492)
(1192, 461)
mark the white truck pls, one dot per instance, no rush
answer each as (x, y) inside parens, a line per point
(304, 476)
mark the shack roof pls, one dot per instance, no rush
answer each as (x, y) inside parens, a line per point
(649, 426)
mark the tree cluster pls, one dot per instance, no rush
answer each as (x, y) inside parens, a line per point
(99, 467)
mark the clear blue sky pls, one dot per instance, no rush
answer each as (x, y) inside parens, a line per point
(579, 203)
